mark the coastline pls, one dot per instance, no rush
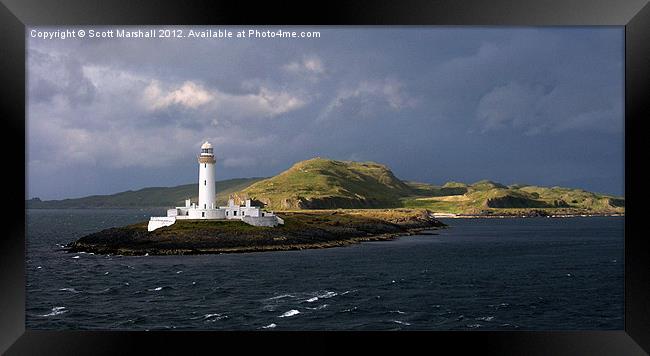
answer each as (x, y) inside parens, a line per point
(261, 248)
(498, 214)
(524, 216)
(302, 230)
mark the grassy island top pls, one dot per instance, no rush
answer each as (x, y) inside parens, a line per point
(313, 229)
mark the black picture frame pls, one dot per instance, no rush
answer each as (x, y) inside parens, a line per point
(16, 14)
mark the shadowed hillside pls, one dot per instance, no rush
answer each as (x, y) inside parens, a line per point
(147, 197)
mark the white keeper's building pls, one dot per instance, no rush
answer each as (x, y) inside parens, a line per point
(206, 209)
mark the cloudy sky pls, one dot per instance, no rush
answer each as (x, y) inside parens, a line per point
(516, 105)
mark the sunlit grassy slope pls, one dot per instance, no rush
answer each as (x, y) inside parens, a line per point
(321, 183)
(489, 196)
(324, 184)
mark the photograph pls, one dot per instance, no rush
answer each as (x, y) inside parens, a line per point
(325, 178)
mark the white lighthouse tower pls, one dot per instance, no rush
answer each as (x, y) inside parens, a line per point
(206, 208)
(207, 191)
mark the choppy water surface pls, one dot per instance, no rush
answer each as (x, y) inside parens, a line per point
(480, 274)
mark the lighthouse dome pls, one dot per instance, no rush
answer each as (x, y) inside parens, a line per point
(206, 145)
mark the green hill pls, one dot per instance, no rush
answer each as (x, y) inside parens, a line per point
(490, 197)
(147, 197)
(328, 184)
(320, 183)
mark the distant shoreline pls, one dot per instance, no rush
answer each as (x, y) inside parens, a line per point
(498, 215)
(520, 216)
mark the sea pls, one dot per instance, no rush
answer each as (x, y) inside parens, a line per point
(477, 274)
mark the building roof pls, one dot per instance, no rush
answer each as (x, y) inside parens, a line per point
(206, 145)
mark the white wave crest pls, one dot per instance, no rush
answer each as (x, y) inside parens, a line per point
(328, 295)
(291, 312)
(318, 307)
(214, 317)
(69, 290)
(270, 326)
(280, 296)
(485, 318)
(400, 322)
(56, 311)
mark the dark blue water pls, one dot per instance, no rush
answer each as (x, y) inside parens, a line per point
(480, 274)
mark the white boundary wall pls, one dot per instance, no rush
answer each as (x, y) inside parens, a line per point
(262, 221)
(157, 222)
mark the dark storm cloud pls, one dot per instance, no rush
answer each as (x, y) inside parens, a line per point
(532, 105)
(68, 81)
